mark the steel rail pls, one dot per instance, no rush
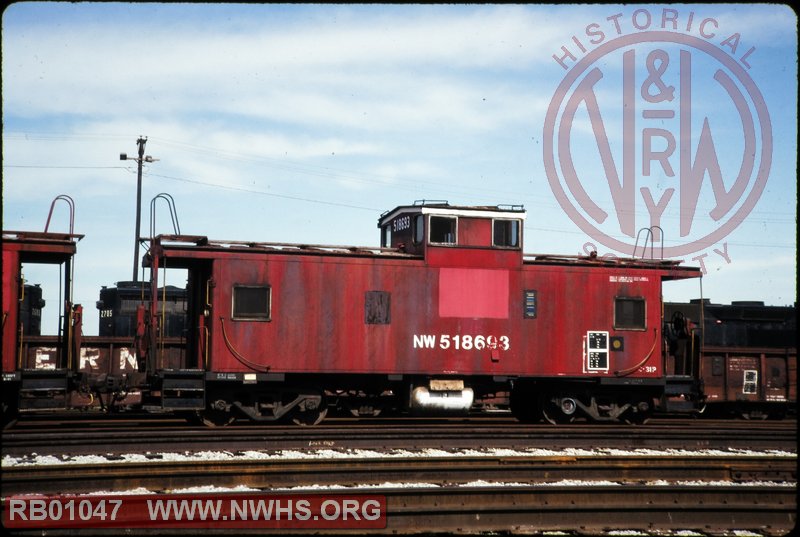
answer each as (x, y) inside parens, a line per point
(712, 510)
(472, 434)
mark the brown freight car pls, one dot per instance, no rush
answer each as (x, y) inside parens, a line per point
(746, 356)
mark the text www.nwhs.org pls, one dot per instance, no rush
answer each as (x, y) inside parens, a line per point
(272, 509)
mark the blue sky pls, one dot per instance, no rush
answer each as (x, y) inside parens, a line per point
(303, 123)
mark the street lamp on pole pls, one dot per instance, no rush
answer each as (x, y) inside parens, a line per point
(139, 160)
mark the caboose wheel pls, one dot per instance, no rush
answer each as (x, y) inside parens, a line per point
(215, 418)
(638, 414)
(312, 408)
(636, 418)
(553, 415)
(560, 410)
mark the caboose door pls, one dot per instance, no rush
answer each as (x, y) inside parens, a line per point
(198, 315)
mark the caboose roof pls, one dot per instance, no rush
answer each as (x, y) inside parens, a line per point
(444, 208)
(38, 247)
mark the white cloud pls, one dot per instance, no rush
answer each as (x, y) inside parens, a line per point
(281, 74)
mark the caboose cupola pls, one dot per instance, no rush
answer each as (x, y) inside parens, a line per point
(426, 226)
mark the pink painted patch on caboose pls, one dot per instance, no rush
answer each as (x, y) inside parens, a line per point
(473, 293)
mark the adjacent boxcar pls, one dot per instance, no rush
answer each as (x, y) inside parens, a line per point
(747, 356)
(448, 313)
(118, 309)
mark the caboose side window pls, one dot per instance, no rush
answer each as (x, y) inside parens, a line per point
(387, 236)
(629, 313)
(419, 228)
(252, 302)
(506, 233)
(443, 230)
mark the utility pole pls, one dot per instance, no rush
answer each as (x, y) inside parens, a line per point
(141, 159)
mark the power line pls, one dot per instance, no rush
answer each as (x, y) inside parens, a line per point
(303, 168)
(467, 192)
(261, 192)
(324, 171)
(67, 167)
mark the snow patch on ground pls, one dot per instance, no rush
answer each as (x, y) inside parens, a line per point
(151, 458)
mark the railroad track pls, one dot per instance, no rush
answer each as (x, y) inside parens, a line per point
(117, 436)
(342, 472)
(483, 481)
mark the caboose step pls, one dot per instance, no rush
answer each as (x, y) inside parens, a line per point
(679, 406)
(183, 390)
(680, 384)
(43, 389)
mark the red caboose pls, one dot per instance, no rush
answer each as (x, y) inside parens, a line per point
(56, 368)
(36, 369)
(447, 314)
